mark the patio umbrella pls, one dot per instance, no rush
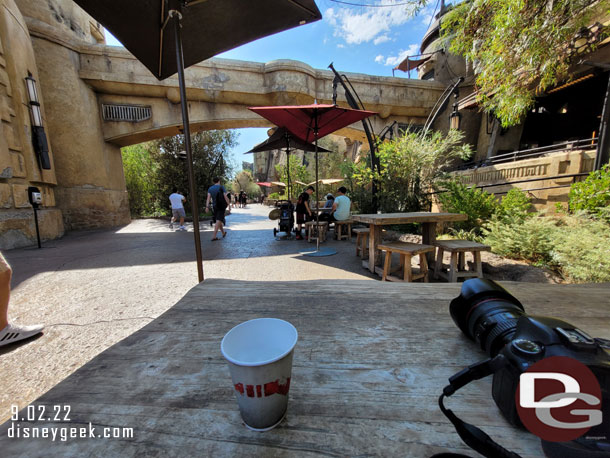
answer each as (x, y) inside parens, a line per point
(169, 35)
(264, 184)
(310, 123)
(280, 139)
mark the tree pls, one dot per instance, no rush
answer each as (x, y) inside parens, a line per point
(298, 172)
(209, 150)
(244, 181)
(519, 48)
(409, 166)
(140, 179)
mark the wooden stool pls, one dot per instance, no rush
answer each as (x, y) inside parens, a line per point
(407, 251)
(315, 230)
(457, 265)
(339, 229)
(362, 239)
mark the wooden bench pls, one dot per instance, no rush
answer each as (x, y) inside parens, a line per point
(362, 241)
(457, 264)
(339, 235)
(407, 251)
(315, 230)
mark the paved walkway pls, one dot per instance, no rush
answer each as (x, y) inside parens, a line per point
(93, 288)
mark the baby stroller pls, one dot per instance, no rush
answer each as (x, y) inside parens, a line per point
(286, 220)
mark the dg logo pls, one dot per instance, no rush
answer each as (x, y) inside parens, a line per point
(559, 399)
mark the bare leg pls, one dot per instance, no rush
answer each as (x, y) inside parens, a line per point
(181, 221)
(5, 293)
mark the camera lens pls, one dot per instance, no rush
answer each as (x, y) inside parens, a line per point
(486, 313)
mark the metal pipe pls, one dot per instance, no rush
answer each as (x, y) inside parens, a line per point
(187, 140)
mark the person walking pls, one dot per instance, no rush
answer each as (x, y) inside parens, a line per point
(217, 196)
(303, 210)
(10, 332)
(176, 201)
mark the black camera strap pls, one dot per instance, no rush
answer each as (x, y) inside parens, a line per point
(472, 436)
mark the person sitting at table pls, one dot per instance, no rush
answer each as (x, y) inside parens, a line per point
(340, 211)
(330, 200)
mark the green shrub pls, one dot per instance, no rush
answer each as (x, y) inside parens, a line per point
(593, 194)
(578, 247)
(275, 196)
(479, 205)
(582, 249)
(515, 205)
(530, 239)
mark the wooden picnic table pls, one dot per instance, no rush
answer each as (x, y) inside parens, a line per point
(428, 220)
(368, 368)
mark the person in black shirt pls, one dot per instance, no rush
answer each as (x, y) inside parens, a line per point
(303, 210)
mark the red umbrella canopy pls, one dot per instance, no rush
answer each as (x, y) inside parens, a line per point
(303, 120)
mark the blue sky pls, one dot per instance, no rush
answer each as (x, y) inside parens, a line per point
(357, 39)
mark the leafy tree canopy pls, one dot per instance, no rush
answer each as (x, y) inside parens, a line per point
(519, 47)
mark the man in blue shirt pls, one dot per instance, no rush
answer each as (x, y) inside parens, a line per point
(341, 206)
(217, 195)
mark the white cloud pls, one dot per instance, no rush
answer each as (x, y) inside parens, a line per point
(367, 24)
(379, 58)
(402, 55)
(340, 46)
(381, 39)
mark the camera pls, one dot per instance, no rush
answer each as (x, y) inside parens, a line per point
(498, 323)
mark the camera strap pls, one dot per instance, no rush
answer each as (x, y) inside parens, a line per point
(472, 436)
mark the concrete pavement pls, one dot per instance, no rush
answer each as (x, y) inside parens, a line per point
(93, 288)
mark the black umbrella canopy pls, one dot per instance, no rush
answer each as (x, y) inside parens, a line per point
(209, 27)
(282, 139)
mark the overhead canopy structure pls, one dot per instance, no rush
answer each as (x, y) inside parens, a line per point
(278, 183)
(169, 35)
(327, 181)
(264, 184)
(412, 62)
(283, 139)
(209, 27)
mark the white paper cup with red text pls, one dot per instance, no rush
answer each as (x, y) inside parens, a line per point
(259, 353)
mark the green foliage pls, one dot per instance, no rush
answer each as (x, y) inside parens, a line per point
(530, 239)
(578, 247)
(479, 205)
(515, 205)
(582, 250)
(140, 178)
(593, 194)
(298, 172)
(460, 234)
(276, 196)
(153, 169)
(409, 165)
(518, 48)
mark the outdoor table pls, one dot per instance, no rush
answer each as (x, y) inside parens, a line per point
(428, 220)
(369, 365)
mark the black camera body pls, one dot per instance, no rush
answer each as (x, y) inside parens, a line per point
(497, 321)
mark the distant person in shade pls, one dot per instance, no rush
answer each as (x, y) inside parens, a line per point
(303, 210)
(10, 332)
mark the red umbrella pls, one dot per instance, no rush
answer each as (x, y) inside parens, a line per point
(311, 122)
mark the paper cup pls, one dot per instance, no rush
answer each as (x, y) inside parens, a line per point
(259, 354)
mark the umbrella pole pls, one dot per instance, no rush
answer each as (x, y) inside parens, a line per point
(315, 136)
(187, 140)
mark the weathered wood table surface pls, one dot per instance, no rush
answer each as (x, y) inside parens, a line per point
(428, 220)
(371, 361)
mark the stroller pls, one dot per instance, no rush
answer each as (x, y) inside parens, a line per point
(286, 220)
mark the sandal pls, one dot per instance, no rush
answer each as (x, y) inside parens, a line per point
(224, 234)
(215, 238)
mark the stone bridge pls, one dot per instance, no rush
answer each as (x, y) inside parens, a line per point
(220, 90)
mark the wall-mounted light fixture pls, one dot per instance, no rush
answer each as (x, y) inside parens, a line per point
(39, 138)
(455, 118)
